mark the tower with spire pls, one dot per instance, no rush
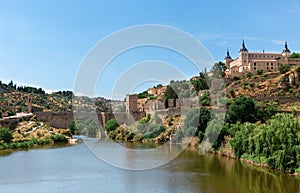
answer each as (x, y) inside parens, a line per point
(227, 60)
(243, 49)
(286, 51)
(243, 56)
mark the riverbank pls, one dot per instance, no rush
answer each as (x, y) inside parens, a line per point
(33, 133)
(228, 152)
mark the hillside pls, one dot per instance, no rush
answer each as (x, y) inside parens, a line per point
(15, 99)
(270, 86)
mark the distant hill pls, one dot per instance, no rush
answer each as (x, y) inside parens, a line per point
(15, 98)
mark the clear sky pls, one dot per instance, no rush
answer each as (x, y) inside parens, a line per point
(42, 43)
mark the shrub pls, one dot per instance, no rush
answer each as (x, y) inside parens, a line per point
(283, 68)
(111, 125)
(282, 79)
(204, 99)
(5, 135)
(295, 55)
(242, 110)
(260, 72)
(249, 74)
(57, 138)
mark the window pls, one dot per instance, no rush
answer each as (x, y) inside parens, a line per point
(267, 68)
(254, 68)
(271, 63)
(254, 63)
(271, 68)
(267, 63)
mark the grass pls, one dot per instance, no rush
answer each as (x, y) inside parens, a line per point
(33, 142)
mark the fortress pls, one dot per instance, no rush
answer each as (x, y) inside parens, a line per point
(254, 61)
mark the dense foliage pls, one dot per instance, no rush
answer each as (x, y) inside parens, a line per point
(196, 121)
(283, 68)
(111, 125)
(200, 83)
(295, 55)
(5, 135)
(87, 127)
(276, 142)
(242, 110)
(218, 70)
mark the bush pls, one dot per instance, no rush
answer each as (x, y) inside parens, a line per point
(204, 99)
(5, 135)
(57, 138)
(249, 74)
(295, 55)
(282, 79)
(242, 110)
(154, 131)
(260, 72)
(111, 125)
(283, 68)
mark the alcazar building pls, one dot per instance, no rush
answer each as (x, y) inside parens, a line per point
(254, 61)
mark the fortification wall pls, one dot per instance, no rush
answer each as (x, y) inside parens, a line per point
(64, 119)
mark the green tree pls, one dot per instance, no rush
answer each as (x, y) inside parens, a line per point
(196, 122)
(218, 70)
(73, 128)
(283, 68)
(260, 72)
(204, 99)
(216, 130)
(5, 135)
(200, 83)
(240, 141)
(111, 125)
(242, 110)
(295, 55)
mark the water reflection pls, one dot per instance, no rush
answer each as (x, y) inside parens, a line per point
(76, 169)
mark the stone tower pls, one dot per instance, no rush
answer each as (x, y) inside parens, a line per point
(286, 52)
(244, 58)
(132, 103)
(227, 60)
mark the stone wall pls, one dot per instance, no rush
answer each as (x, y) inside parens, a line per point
(64, 119)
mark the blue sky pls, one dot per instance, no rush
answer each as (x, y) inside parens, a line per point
(42, 43)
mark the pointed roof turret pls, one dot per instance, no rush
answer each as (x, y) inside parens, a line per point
(243, 47)
(228, 55)
(286, 49)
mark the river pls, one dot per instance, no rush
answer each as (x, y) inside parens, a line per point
(77, 169)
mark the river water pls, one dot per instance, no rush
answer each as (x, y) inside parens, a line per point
(77, 169)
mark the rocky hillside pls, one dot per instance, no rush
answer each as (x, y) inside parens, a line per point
(16, 99)
(270, 86)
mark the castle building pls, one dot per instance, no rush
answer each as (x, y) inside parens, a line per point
(254, 61)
